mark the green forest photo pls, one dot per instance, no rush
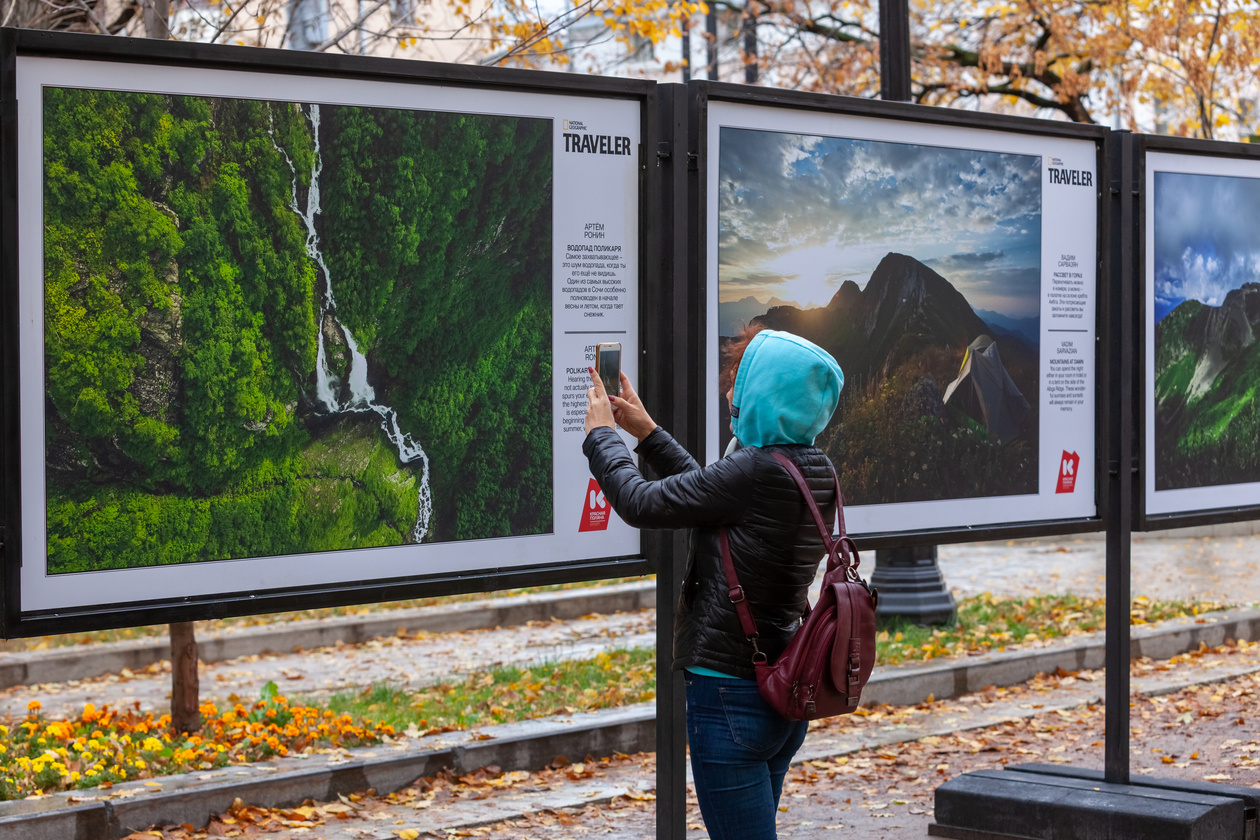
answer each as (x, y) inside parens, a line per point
(274, 328)
(1206, 263)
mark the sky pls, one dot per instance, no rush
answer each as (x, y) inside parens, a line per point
(1207, 239)
(798, 215)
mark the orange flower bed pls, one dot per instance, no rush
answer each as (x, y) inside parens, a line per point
(105, 746)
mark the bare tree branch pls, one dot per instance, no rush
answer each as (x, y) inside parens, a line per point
(334, 40)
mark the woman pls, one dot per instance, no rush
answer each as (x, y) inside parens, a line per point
(782, 391)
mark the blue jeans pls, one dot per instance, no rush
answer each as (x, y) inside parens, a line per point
(740, 752)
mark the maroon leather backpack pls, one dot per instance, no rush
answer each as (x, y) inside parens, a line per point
(826, 665)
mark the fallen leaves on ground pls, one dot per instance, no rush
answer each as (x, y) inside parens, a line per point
(988, 622)
(243, 820)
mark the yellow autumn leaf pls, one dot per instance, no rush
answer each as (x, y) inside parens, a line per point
(407, 833)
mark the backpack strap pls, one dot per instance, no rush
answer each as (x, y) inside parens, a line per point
(837, 552)
(737, 597)
(838, 548)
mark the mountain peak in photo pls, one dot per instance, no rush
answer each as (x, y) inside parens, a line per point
(846, 296)
(1206, 410)
(904, 296)
(905, 308)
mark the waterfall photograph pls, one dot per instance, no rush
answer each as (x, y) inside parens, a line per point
(273, 328)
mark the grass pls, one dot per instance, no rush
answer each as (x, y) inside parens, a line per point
(161, 630)
(985, 623)
(504, 695)
(992, 623)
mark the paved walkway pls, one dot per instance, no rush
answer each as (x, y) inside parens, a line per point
(1221, 569)
(867, 776)
(421, 660)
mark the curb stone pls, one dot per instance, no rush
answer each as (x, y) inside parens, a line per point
(906, 685)
(82, 662)
(530, 745)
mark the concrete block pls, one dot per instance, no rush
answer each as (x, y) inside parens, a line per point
(1046, 807)
(1249, 796)
(78, 822)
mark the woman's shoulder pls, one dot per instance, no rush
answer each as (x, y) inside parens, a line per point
(801, 454)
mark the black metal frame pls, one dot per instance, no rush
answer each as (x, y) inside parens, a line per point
(1117, 441)
(681, 305)
(656, 384)
(701, 93)
(1144, 521)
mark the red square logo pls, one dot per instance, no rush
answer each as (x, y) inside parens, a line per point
(1067, 472)
(595, 509)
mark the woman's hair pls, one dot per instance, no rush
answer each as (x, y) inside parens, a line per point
(733, 354)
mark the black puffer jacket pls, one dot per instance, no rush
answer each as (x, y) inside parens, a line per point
(774, 543)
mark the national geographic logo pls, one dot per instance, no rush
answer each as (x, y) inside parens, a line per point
(1072, 177)
(592, 144)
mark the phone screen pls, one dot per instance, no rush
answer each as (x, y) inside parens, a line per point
(608, 365)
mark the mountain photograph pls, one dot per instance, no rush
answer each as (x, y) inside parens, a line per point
(1206, 297)
(273, 328)
(918, 269)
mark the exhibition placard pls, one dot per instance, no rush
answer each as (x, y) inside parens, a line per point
(1201, 299)
(282, 330)
(951, 271)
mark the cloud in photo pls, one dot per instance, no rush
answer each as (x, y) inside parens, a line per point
(816, 211)
(1207, 238)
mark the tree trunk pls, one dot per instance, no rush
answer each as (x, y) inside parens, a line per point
(750, 45)
(157, 22)
(185, 686)
(308, 24)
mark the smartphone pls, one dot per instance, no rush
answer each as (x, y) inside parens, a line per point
(608, 366)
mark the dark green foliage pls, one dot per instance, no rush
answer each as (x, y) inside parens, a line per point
(454, 305)
(181, 309)
(1208, 432)
(888, 448)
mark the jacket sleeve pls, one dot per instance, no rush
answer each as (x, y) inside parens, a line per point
(665, 455)
(705, 497)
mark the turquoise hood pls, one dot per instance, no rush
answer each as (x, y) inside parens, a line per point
(786, 389)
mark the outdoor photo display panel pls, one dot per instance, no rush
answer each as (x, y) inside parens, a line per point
(951, 272)
(283, 331)
(1202, 310)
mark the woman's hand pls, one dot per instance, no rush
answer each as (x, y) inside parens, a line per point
(599, 411)
(629, 412)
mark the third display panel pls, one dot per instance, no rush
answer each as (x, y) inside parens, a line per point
(1202, 311)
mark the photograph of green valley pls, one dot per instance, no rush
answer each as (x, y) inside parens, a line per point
(273, 328)
(1206, 263)
(919, 269)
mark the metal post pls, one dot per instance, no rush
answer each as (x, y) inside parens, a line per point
(894, 50)
(673, 375)
(711, 39)
(912, 587)
(671, 698)
(750, 45)
(1120, 461)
